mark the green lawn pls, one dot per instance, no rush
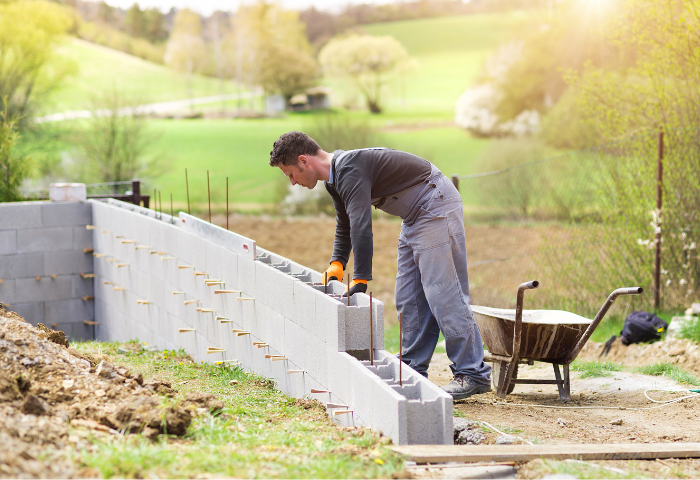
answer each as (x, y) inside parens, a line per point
(100, 69)
(240, 149)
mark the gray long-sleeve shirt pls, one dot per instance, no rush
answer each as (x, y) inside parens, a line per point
(358, 176)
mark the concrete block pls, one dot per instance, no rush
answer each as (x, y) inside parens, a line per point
(71, 310)
(44, 289)
(330, 313)
(78, 331)
(304, 311)
(277, 326)
(246, 276)
(8, 242)
(214, 261)
(7, 291)
(357, 328)
(45, 239)
(340, 368)
(229, 273)
(64, 214)
(23, 265)
(31, 312)
(229, 240)
(20, 215)
(59, 263)
(82, 238)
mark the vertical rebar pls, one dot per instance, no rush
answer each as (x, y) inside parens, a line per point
(371, 332)
(226, 203)
(155, 201)
(659, 198)
(348, 289)
(187, 187)
(209, 196)
(160, 196)
(325, 284)
(172, 216)
(400, 347)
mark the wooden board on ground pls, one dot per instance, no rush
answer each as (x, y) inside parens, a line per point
(524, 453)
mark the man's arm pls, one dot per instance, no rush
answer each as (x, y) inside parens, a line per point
(358, 205)
(342, 244)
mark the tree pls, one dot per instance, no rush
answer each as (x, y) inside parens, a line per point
(260, 33)
(112, 147)
(12, 168)
(371, 62)
(29, 68)
(154, 25)
(286, 71)
(135, 21)
(186, 51)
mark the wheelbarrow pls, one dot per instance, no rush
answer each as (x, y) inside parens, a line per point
(527, 336)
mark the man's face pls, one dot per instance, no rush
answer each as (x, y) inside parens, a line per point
(300, 173)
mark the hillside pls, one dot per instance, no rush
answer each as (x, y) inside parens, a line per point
(450, 52)
(100, 69)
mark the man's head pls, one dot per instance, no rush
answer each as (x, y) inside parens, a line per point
(295, 153)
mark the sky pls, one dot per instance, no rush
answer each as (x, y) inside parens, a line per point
(206, 7)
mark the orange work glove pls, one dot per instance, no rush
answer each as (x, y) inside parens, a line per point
(356, 286)
(334, 272)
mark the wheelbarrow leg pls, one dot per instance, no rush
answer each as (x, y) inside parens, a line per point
(507, 376)
(563, 386)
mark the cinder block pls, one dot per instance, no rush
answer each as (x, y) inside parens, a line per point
(246, 276)
(73, 261)
(331, 314)
(357, 328)
(277, 326)
(45, 239)
(7, 291)
(64, 214)
(8, 242)
(78, 331)
(20, 215)
(72, 310)
(42, 290)
(304, 311)
(230, 269)
(23, 265)
(31, 312)
(82, 238)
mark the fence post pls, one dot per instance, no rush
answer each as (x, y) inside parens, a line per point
(659, 198)
(136, 192)
(455, 181)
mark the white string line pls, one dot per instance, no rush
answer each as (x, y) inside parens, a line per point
(601, 407)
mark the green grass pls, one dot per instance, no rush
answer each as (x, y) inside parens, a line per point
(584, 470)
(100, 69)
(674, 372)
(594, 368)
(391, 339)
(609, 326)
(240, 149)
(261, 432)
(691, 330)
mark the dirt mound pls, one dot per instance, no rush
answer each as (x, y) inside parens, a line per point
(49, 394)
(55, 336)
(682, 352)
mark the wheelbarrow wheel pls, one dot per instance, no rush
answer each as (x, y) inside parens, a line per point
(499, 368)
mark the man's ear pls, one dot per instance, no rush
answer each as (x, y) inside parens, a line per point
(302, 160)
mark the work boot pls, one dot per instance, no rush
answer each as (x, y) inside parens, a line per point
(463, 387)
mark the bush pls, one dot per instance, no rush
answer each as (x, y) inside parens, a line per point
(110, 37)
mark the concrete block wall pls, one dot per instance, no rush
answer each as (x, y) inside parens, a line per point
(44, 249)
(157, 278)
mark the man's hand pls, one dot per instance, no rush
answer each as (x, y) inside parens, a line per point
(334, 272)
(356, 286)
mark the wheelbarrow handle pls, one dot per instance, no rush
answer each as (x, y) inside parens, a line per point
(517, 333)
(599, 317)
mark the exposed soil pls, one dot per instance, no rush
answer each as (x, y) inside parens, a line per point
(53, 398)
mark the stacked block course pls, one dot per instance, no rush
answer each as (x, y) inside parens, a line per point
(44, 249)
(180, 282)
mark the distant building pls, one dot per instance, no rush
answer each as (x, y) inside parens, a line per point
(316, 98)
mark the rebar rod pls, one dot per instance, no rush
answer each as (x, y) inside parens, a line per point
(187, 187)
(171, 208)
(209, 196)
(371, 332)
(226, 203)
(400, 348)
(659, 204)
(325, 284)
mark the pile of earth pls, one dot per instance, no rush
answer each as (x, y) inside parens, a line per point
(684, 353)
(52, 397)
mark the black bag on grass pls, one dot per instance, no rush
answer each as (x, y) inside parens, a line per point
(639, 327)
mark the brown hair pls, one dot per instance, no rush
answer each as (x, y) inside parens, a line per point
(288, 147)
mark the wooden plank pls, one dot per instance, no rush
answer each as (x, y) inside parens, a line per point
(525, 453)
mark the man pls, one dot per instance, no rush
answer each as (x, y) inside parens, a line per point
(432, 286)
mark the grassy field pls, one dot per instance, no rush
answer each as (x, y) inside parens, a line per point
(240, 150)
(100, 69)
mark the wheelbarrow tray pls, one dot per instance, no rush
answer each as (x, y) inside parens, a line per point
(547, 335)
